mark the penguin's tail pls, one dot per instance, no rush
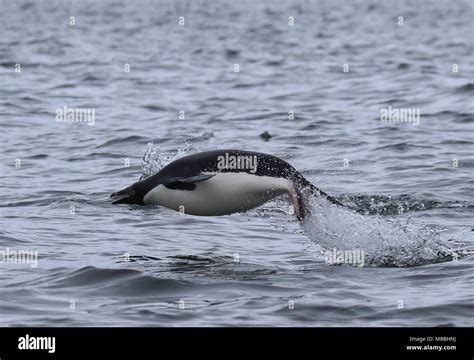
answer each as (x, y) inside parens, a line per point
(303, 190)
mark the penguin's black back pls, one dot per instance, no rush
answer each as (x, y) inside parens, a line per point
(207, 161)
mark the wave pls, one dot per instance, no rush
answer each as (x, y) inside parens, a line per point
(396, 205)
(202, 265)
(127, 139)
(455, 116)
(466, 88)
(124, 282)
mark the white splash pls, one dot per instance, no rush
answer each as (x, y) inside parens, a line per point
(154, 160)
(385, 241)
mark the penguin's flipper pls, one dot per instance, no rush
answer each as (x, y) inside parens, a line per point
(197, 178)
(188, 183)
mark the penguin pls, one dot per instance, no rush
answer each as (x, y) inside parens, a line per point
(222, 182)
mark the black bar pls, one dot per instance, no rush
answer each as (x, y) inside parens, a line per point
(318, 343)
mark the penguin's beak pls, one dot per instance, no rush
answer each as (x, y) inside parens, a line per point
(121, 197)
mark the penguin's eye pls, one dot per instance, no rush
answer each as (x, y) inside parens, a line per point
(131, 192)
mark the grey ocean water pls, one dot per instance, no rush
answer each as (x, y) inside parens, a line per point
(101, 264)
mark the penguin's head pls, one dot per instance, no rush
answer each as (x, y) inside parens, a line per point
(131, 195)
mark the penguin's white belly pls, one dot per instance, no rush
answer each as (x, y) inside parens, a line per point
(223, 194)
